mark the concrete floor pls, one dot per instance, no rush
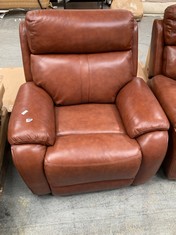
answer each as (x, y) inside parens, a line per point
(149, 209)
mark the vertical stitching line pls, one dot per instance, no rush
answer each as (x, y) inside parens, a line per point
(88, 79)
(80, 69)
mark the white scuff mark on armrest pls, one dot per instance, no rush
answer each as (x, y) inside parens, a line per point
(29, 119)
(24, 112)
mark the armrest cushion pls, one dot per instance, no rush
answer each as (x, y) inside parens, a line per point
(140, 111)
(32, 119)
(165, 90)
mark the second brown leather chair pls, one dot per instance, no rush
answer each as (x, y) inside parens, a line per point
(162, 71)
(82, 121)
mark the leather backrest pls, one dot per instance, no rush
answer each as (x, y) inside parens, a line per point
(80, 56)
(170, 26)
(169, 54)
(163, 45)
(156, 49)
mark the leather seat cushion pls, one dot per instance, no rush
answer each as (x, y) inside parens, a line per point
(88, 118)
(86, 158)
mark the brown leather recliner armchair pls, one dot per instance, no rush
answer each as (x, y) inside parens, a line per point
(82, 121)
(162, 71)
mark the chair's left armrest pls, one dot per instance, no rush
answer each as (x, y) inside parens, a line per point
(32, 120)
(139, 109)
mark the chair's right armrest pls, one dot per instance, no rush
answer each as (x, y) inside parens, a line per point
(164, 89)
(140, 111)
(32, 120)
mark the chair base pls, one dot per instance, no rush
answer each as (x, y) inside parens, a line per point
(91, 187)
(91, 162)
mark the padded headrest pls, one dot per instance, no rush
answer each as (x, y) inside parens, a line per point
(79, 31)
(170, 25)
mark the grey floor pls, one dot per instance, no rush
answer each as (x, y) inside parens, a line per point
(149, 209)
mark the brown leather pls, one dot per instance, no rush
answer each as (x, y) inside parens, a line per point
(170, 25)
(163, 83)
(165, 90)
(170, 160)
(156, 49)
(29, 161)
(135, 49)
(169, 61)
(89, 78)
(37, 126)
(90, 187)
(111, 45)
(91, 158)
(153, 146)
(25, 52)
(163, 45)
(76, 35)
(81, 64)
(88, 119)
(136, 112)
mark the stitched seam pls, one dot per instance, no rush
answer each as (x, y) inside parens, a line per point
(88, 93)
(81, 78)
(94, 182)
(92, 165)
(88, 133)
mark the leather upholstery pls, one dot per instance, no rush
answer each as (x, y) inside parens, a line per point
(91, 76)
(133, 109)
(82, 39)
(29, 160)
(105, 155)
(165, 90)
(25, 52)
(92, 118)
(169, 163)
(92, 125)
(36, 102)
(156, 48)
(169, 60)
(89, 187)
(163, 75)
(170, 26)
(152, 147)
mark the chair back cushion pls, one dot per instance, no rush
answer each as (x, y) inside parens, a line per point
(80, 56)
(169, 53)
